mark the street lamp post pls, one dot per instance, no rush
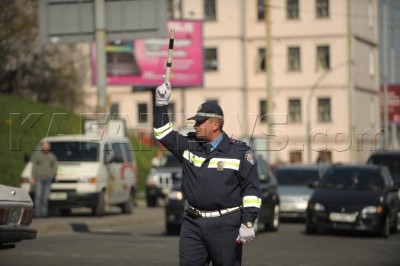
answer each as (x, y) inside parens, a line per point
(310, 95)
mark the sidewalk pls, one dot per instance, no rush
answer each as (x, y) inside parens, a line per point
(81, 220)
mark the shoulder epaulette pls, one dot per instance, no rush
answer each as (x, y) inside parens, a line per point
(238, 142)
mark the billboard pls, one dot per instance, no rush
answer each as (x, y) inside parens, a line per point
(393, 103)
(141, 62)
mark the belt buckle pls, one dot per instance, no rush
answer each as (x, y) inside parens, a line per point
(193, 212)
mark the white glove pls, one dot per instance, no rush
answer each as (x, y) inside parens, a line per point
(246, 234)
(163, 92)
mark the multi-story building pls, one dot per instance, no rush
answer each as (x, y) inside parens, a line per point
(312, 65)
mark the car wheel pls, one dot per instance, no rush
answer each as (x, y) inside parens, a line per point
(127, 207)
(385, 231)
(172, 229)
(397, 224)
(273, 225)
(311, 229)
(99, 209)
(151, 201)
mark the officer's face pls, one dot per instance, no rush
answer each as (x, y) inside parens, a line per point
(206, 129)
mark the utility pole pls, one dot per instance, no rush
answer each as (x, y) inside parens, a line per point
(350, 76)
(244, 68)
(100, 56)
(270, 92)
(385, 76)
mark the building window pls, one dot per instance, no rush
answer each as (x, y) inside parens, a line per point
(324, 110)
(323, 58)
(294, 58)
(322, 8)
(371, 62)
(294, 110)
(261, 60)
(263, 111)
(260, 10)
(371, 13)
(171, 112)
(292, 9)
(143, 115)
(114, 110)
(324, 157)
(295, 157)
(211, 59)
(210, 10)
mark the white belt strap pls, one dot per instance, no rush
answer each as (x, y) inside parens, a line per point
(211, 214)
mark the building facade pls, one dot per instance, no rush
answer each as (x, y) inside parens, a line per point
(304, 88)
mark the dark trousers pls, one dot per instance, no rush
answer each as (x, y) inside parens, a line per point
(205, 239)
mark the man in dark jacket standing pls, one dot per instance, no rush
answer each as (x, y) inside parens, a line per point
(219, 180)
(44, 169)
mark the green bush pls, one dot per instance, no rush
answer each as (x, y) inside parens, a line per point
(24, 123)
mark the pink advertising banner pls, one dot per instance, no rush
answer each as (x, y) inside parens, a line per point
(141, 62)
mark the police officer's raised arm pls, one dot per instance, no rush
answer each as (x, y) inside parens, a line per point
(163, 130)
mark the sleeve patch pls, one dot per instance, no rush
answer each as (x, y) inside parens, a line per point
(249, 156)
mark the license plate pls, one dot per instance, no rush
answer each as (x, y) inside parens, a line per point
(301, 205)
(58, 196)
(342, 217)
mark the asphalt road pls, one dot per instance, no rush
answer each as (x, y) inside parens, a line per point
(140, 239)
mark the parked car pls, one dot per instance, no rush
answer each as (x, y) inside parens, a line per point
(294, 192)
(269, 212)
(391, 159)
(355, 197)
(16, 215)
(161, 179)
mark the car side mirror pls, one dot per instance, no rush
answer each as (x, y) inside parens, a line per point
(314, 184)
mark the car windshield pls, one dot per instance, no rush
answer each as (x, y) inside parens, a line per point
(172, 162)
(353, 179)
(294, 177)
(391, 161)
(76, 151)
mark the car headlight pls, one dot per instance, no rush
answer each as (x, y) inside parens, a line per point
(175, 195)
(372, 210)
(88, 180)
(316, 206)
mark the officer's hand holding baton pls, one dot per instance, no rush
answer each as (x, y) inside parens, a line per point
(163, 92)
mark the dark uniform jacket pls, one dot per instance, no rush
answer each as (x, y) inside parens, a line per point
(225, 178)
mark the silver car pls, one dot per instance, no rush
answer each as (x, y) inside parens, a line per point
(293, 187)
(16, 214)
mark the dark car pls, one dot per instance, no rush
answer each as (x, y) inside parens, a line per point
(268, 217)
(293, 187)
(174, 208)
(269, 212)
(355, 197)
(391, 159)
(161, 179)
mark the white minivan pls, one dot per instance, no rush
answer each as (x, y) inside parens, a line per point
(91, 173)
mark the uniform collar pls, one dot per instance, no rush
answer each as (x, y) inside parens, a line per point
(216, 141)
(224, 142)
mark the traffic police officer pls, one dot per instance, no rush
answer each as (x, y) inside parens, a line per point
(219, 180)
